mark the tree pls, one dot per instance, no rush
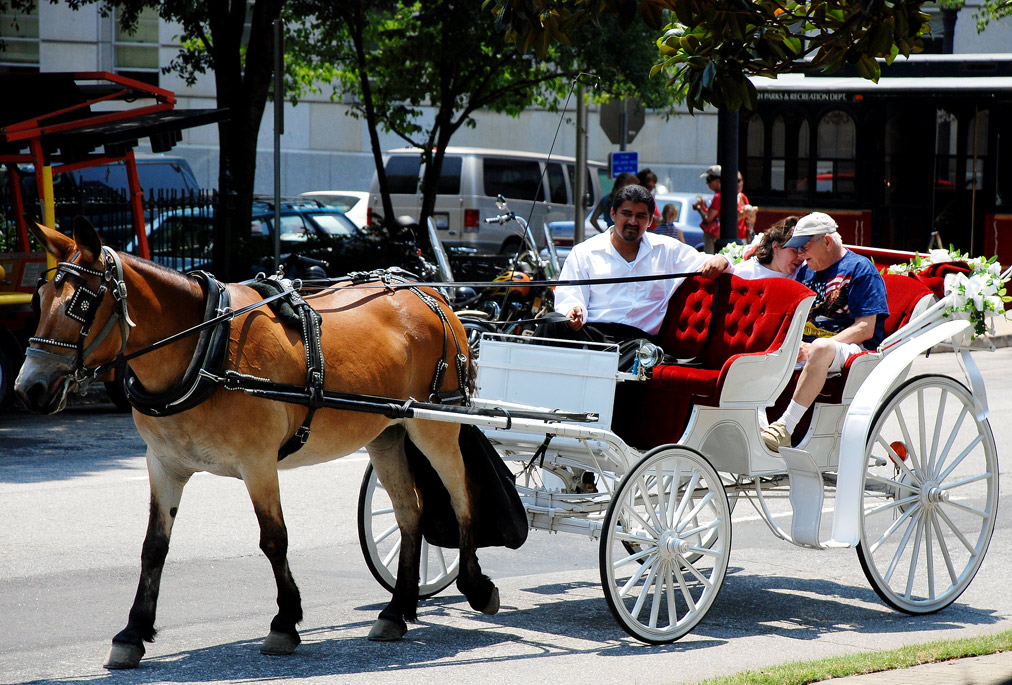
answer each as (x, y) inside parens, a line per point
(234, 39)
(709, 48)
(397, 57)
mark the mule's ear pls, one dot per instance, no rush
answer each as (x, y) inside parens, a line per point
(87, 239)
(53, 242)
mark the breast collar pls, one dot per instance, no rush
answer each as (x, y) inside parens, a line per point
(212, 349)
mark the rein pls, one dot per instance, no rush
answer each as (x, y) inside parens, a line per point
(358, 281)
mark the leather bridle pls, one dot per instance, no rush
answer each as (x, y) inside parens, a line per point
(82, 307)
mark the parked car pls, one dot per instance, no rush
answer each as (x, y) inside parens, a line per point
(688, 219)
(537, 186)
(354, 203)
(182, 239)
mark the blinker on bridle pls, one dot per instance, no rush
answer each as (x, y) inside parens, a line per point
(81, 307)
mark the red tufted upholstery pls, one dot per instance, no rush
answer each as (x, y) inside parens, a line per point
(933, 276)
(747, 317)
(902, 294)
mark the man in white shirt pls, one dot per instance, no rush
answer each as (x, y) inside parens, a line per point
(625, 311)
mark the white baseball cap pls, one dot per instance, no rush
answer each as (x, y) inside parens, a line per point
(809, 226)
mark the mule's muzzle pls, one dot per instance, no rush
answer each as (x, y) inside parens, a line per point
(39, 396)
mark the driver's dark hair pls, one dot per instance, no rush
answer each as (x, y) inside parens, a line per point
(634, 193)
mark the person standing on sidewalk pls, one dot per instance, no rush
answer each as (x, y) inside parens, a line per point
(710, 213)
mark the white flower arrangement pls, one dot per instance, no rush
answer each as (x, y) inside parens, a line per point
(978, 297)
(981, 296)
(734, 252)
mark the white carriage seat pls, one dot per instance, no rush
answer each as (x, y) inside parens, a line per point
(737, 341)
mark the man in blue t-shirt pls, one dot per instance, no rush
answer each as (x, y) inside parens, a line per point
(847, 317)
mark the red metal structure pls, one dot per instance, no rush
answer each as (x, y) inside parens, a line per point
(59, 123)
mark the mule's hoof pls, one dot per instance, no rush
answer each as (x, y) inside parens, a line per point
(492, 607)
(279, 644)
(385, 630)
(124, 655)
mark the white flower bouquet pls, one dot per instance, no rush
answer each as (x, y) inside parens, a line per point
(978, 296)
(734, 252)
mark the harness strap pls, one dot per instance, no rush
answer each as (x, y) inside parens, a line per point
(441, 366)
(315, 367)
(212, 347)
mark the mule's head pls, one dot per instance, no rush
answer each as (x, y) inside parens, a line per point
(73, 311)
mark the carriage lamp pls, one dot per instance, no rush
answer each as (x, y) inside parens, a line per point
(648, 355)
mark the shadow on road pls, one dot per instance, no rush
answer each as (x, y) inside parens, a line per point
(748, 605)
(82, 439)
(807, 609)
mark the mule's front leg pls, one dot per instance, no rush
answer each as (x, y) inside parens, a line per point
(166, 490)
(266, 497)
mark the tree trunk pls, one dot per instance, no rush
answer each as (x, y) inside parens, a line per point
(244, 92)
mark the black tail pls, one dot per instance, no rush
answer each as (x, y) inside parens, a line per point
(499, 516)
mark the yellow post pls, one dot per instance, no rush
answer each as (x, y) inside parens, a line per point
(48, 207)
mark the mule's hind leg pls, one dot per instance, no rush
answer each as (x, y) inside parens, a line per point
(262, 485)
(166, 490)
(440, 444)
(387, 455)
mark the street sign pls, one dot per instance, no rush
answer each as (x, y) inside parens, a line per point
(620, 162)
(614, 113)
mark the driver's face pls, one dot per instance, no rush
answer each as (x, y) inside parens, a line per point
(632, 219)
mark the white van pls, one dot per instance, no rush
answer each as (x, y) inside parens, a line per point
(537, 188)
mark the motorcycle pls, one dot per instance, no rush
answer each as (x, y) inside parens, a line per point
(512, 309)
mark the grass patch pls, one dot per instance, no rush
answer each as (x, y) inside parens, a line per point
(800, 673)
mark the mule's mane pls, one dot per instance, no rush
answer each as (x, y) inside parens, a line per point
(142, 265)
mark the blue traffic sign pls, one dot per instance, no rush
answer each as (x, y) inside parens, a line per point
(622, 162)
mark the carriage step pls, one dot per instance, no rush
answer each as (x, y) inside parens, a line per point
(806, 496)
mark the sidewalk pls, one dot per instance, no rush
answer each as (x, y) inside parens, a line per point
(994, 669)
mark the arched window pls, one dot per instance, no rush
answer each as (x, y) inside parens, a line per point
(789, 153)
(837, 152)
(754, 152)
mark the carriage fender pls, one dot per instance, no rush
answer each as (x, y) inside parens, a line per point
(857, 424)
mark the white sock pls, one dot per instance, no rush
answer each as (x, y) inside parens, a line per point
(793, 415)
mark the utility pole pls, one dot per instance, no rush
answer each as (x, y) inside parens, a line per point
(580, 177)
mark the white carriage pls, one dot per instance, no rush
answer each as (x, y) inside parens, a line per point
(911, 460)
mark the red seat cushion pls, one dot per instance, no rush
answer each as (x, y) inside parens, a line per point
(902, 294)
(745, 317)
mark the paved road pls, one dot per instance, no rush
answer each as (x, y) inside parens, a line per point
(73, 502)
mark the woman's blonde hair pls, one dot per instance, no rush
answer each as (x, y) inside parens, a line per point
(777, 234)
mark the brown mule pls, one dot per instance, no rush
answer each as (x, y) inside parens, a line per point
(374, 341)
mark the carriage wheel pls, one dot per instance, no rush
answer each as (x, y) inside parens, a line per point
(380, 540)
(930, 495)
(665, 544)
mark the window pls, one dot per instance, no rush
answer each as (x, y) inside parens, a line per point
(334, 224)
(556, 183)
(588, 197)
(135, 54)
(449, 177)
(294, 228)
(837, 149)
(19, 33)
(402, 174)
(513, 178)
(754, 152)
(789, 154)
